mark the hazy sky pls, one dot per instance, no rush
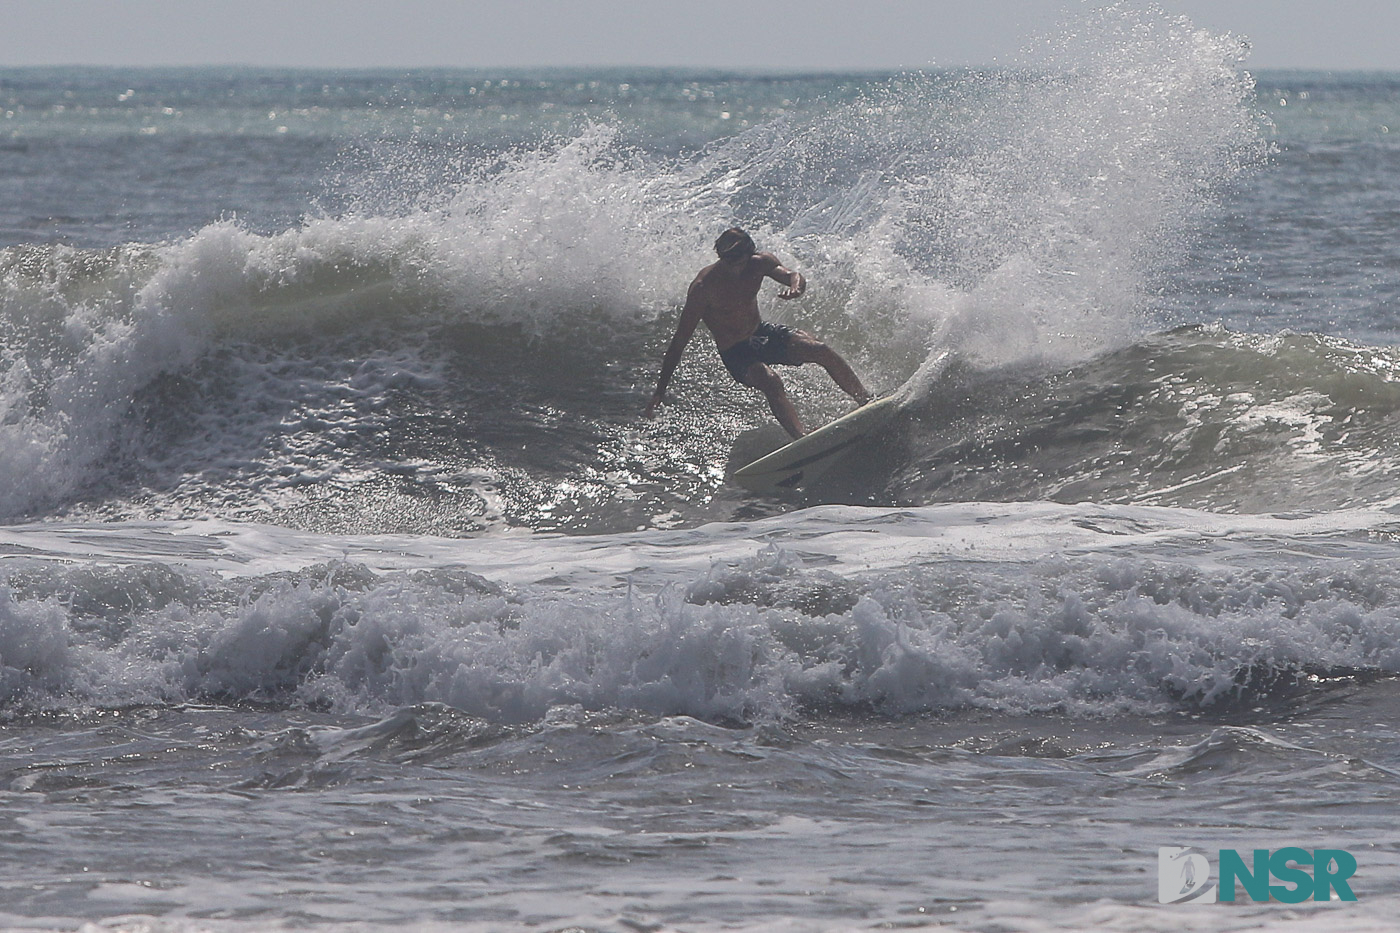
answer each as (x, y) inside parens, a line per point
(758, 34)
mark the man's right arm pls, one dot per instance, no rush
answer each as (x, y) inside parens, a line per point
(685, 329)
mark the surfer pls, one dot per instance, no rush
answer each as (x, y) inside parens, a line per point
(725, 296)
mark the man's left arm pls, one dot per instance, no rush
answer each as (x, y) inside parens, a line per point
(796, 284)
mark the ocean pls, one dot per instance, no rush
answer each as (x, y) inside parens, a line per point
(343, 586)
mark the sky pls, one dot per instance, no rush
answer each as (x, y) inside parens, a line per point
(784, 35)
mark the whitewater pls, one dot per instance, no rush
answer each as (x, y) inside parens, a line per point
(342, 585)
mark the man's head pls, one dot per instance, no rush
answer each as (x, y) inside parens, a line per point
(734, 245)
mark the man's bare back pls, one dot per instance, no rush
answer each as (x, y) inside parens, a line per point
(725, 296)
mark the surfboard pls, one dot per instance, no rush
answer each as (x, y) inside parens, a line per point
(810, 456)
(813, 454)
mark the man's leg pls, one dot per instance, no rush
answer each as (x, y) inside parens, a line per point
(766, 381)
(804, 348)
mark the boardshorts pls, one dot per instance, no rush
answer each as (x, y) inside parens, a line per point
(769, 344)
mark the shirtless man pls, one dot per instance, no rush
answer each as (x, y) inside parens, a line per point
(725, 296)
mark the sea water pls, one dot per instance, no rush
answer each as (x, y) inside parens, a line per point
(343, 587)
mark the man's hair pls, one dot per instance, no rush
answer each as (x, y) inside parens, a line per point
(733, 241)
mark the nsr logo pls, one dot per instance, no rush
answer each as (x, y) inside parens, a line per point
(1183, 875)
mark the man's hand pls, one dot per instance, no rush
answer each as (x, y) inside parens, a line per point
(658, 398)
(796, 286)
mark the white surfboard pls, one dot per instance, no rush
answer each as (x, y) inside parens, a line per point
(811, 455)
(807, 458)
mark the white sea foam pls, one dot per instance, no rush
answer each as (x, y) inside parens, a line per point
(1009, 607)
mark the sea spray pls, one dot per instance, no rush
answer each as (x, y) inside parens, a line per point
(1011, 216)
(1053, 199)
